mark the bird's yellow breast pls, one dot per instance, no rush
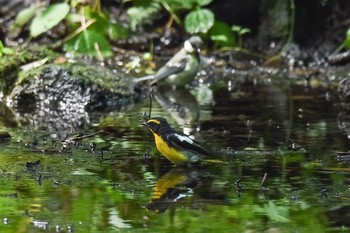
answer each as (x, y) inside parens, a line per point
(171, 154)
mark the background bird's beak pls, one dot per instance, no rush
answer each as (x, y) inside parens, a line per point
(145, 117)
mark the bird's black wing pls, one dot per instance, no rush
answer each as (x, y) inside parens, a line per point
(183, 142)
(169, 69)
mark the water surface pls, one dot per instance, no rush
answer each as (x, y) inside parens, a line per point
(283, 142)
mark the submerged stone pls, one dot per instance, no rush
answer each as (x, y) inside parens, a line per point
(4, 136)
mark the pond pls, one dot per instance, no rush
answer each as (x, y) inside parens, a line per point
(282, 142)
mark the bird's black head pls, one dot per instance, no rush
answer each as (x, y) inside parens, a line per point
(156, 123)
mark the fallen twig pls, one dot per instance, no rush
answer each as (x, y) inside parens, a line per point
(78, 138)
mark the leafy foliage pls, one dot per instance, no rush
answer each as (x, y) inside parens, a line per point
(93, 38)
(117, 31)
(90, 42)
(240, 32)
(142, 12)
(86, 40)
(49, 18)
(221, 34)
(90, 29)
(199, 21)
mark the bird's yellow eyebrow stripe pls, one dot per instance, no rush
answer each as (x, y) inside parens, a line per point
(153, 121)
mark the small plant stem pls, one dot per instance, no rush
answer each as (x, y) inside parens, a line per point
(98, 51)
(83, 27)
(263, 180)
(173, 16)
(339, 48)
(290, 34)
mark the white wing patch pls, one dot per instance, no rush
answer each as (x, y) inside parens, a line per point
(184, 138)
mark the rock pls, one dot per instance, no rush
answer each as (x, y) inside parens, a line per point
(61, 97)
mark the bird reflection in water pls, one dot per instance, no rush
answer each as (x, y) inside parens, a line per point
(178, 184)
(182, 106)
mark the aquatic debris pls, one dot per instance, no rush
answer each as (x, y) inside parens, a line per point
(146, 155)
(324, 193)
(41, 224)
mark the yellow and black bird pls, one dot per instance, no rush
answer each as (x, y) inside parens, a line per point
(175, 146)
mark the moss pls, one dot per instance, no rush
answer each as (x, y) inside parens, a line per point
(104, 78)
(8, 73)
(11, 74)
(10, 65)
(34, 54)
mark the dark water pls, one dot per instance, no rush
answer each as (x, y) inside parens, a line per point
(283, 142)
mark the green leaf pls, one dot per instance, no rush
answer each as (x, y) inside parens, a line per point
(236, 28)
(24, 16)
(49, 18)
(199, 21)
(85, 43)
(240, 30)
(117, 31)
(244, 31)
(347, 39)
(275, 212)
(101, 24)
(177, 5)
(221, 34)
(7, 51)
(203, 2)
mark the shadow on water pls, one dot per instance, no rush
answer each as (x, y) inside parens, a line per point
(285, 169)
